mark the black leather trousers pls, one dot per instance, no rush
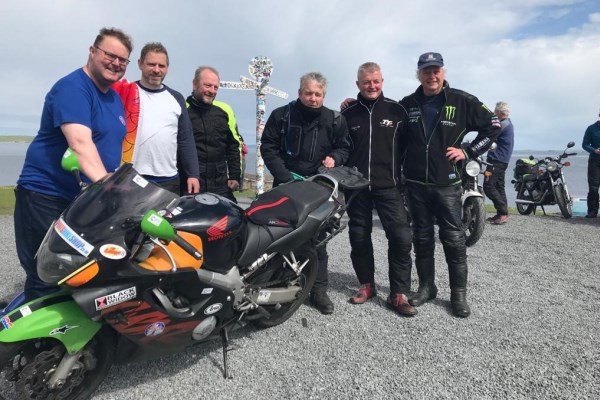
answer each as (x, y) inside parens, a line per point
(443, 203)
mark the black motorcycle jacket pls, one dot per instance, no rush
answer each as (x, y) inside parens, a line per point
(374, 128)
(291, 144)
(425, 160)
(217, 138)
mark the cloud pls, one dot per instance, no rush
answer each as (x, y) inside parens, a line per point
(539, 55)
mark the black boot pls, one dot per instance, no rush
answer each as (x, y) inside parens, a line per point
(321, 301)
(458, 299)
(425, 293)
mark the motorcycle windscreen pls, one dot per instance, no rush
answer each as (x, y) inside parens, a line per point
(102, 214)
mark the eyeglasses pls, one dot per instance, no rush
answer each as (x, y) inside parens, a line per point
(112, 57)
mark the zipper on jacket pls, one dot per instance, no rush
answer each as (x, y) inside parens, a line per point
(311, 156)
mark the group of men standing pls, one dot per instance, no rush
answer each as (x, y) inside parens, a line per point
(419, 137)
(193, 145)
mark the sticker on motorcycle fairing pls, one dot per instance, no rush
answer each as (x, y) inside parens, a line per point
(62, 330)
(7, 322)
(207, 290)
(113, 251)
(452, 176)
(25, 311)
(115, 298)
(264, 296)
(154, 329)
(72, 239)
(176, 211)
(154, 219)
(213, 308)
(140, 181)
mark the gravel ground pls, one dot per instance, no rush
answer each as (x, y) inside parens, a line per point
(534, 290)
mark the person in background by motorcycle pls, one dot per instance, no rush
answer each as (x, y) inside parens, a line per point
(216, 134)
(299, 138)
(80, 112)
(591, 144)
(493, 185)
(375, 122)
(438, 119)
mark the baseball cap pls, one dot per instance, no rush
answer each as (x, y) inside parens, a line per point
(429, 60)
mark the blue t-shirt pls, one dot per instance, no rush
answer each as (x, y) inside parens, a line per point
(73, 99)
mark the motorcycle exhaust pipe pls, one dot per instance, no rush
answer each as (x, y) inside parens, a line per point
(277, 295)
(520, 201)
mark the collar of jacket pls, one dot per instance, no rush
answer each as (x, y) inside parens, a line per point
(194, 102)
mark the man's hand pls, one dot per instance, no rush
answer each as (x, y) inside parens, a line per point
(193, 185)
(346, 103)
(329, 162)
(233, 184)
(454, 155)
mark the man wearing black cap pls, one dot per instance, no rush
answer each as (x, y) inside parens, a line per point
(439, 117)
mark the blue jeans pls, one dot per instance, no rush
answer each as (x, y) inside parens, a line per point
(594, 184)
(33, 216)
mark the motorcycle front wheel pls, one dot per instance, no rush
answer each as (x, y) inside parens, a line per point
(473, 219)
(282, 312)
(27, 366)
(564, 203)
(524, 194)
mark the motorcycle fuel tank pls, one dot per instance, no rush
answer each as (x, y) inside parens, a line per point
(218, 221)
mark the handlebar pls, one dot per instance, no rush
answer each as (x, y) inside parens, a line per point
(185, 245)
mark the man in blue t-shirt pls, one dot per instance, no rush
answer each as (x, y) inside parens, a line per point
(82, 112)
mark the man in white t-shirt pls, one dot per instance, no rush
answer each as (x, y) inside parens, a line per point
(159, 140)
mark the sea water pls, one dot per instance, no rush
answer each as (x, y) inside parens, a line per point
(12, 156)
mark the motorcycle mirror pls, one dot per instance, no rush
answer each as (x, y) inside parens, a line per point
(571, 144)
(69, 161)
(157, 226)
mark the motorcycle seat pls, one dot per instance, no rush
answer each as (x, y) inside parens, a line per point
(288, 204)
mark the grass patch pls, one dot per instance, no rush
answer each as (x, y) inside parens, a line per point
(7, 200)
(23, 139)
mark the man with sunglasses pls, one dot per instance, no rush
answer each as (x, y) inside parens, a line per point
(80, 112)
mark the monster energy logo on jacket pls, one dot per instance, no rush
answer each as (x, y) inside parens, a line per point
(450, 112)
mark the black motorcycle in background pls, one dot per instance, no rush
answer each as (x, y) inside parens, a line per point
(540, 182)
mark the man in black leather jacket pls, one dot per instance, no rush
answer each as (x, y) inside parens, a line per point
(299, 138)
(375, 123)
(218, 142)
(438, 119)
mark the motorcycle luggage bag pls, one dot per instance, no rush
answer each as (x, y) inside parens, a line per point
(525, 166)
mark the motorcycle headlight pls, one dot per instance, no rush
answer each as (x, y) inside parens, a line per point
(472, 168)
(552, 166)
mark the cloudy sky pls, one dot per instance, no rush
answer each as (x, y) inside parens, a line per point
(541, 56)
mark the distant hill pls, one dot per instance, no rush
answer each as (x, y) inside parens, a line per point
(12, 139)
